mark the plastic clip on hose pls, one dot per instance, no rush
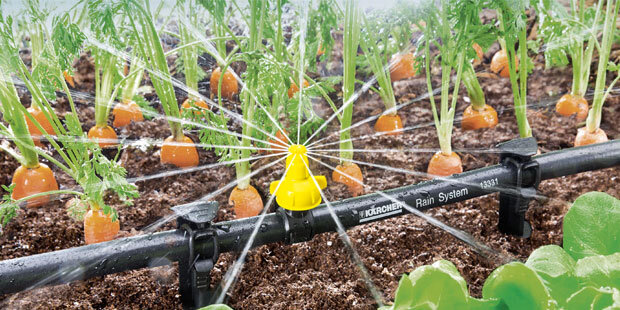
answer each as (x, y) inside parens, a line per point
(194, 272)
(513, 201)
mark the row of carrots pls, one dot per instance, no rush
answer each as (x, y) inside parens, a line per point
(100, 221)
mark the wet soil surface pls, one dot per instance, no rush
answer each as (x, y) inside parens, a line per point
(320, 274)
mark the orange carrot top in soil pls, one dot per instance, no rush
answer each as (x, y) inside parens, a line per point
(181, 153)
(246, 202)
(279, 145)
(402, 67)
(128, 110)
(31, 181)
(499, 64)
(98, 226)
(572, 104)
(105, 136)
(39, 116)
(478, 115)
(69, 78)
(190, 103)
(350, 175)
(389, 124)
(585, 137)
(229, 85)
(479, 53)
(445, 165)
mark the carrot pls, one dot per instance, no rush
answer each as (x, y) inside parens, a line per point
(320, 51)
(69, 78)
(194, 103)
(39, 116)
(344, 174)
(105, 136)
(592, 132)
(279, 146)
(479, 53)
(585, 137)
(229, 87)
(181, 153)
(376, 57)
(402, 67)
(391, 124)
(478, 114)
(30, 181)
(294, 88)
(126, 112)
(246, 202)
(476, 119)
(99, 227)
(499, 64)
(570, 104)
(445, 165)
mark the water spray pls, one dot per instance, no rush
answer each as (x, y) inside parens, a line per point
(198, 241)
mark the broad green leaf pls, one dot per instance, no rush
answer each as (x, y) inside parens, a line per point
(483, 304)
(556, 269)
(591, 226)
(517, 287)
(590, 297)
(599, 270)
(437, 286)
(404, 294)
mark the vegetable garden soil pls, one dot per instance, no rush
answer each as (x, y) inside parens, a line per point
(319, 274)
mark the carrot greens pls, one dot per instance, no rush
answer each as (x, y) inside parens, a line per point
(352, 30)
(513, 29)
(609, 27)
(81, 159)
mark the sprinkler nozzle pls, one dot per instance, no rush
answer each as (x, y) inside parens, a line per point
(298, 191)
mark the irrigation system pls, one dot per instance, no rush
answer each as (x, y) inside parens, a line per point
(197, 242)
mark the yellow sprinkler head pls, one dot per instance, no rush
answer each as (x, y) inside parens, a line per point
(298, 191)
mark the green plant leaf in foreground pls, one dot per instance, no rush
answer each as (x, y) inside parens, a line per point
(436, 286)
(599, 271)
(556, 269)
(591, 226)
(595, 298)
(517, 287)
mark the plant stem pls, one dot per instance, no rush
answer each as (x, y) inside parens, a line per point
(474, 90)
(12, 114)
(133, 80)
(351, 43)
(105, 69)
(594, 116)
(150, 47)
(519, 88)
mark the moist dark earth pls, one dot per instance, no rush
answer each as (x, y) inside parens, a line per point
(320, 274)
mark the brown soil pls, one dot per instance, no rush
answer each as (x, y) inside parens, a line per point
(319, 274)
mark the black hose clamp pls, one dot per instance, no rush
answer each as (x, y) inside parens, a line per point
(195, 271)
(513, 201)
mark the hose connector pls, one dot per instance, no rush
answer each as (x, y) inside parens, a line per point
(298, 191)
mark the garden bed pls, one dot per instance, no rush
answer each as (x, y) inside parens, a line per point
(320, 274)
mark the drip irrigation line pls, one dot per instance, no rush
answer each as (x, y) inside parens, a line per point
(209, 239)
